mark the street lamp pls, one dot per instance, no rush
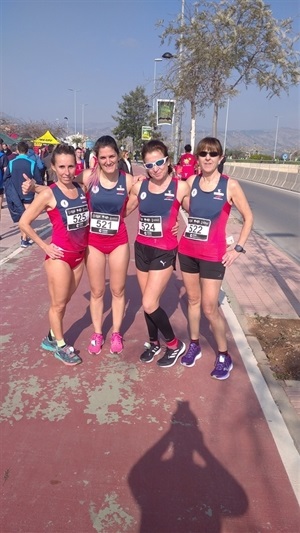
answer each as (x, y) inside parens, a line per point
(226, 126)
(82, 118)
(75, 91)
(276, 137)
(154, 82)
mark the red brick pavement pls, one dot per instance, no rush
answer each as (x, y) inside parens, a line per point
(117, 446)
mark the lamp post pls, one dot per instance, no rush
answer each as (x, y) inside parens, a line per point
(75, 91)
(154, 82)
(226, 126)
(276, 137)
(82, 118)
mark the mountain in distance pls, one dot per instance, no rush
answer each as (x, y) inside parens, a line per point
(261, 141)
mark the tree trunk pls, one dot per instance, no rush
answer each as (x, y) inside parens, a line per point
(215, 120)
(193, 124)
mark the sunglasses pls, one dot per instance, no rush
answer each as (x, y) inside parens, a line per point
(158, 163)
(211, 154)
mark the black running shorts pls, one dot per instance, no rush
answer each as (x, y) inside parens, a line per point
(206, 269)
(150, 258)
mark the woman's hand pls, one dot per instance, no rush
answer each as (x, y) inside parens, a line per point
(53, 251)
(28, 185)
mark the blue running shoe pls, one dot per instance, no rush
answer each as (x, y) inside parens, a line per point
(67, 355)
(49, 345)
(191, 356)
(223, 367)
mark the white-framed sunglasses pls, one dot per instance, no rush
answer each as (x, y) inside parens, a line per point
(158, 163)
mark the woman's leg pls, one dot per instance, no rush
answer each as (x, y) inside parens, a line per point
(118, 261)
(210, 289)
(95, 265)
(62, 283)
(193, 291)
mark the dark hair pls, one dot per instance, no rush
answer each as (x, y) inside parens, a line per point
(22, 147)
(14, 147)
(62, 149)
(188, 148)
(103, 142)
(211, 144)
(154, 145)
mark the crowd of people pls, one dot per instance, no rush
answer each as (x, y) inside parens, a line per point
(87, 206)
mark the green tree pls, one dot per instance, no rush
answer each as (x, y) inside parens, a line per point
(222, 45)
(133, 113)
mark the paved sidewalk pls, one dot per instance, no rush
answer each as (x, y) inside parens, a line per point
(265, 282)
(115, 445)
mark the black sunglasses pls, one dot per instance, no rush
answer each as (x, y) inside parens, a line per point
(211, 154)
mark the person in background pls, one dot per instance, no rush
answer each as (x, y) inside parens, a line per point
(14, 152)
(3, 165)
(87, 154)
(203, 253)
(221, 164)
(32, 155)
(50, 176)
(80, 165)
(17, 202)
(6, 149)
(125, 162)
(66, 206)
(188, 163)
(158, 198)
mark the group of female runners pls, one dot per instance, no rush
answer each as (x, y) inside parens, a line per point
(89, 228)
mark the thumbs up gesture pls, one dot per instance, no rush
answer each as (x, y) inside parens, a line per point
(28, 185)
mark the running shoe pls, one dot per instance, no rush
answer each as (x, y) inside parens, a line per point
(223, 366)
(49, 345)
(25, 243)
(116, 343)
(96, 343)
(170, 356)
(67, 355)
(151, 350)
(191, 356)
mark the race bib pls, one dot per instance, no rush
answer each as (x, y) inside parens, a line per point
(104, 224)
(150, 226)
(77, 217)
(197, 229)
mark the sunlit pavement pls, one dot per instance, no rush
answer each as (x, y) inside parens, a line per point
(114, 445)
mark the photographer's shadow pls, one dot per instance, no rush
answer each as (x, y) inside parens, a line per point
(180, 486)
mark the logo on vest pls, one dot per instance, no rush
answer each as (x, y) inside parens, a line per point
(169, 195)
(64, 203)
(95, 189)
(218, 195)
(143, 195)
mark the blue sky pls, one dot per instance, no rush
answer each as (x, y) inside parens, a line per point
(105, 49)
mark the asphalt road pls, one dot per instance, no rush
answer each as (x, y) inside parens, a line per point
(276, 215)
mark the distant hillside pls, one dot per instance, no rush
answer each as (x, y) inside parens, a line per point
(288, 139)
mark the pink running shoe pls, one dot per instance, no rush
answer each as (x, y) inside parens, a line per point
(116, 343)
(96, 344)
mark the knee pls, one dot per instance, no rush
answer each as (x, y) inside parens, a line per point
(59, 308)
(210, 311)
(97, 294)
(118, 293)
(194, 301)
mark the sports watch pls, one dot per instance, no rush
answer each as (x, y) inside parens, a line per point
(239, 248)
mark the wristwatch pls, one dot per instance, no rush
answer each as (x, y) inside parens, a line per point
(239, 248)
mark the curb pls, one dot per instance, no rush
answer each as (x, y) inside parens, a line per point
(277, 387)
